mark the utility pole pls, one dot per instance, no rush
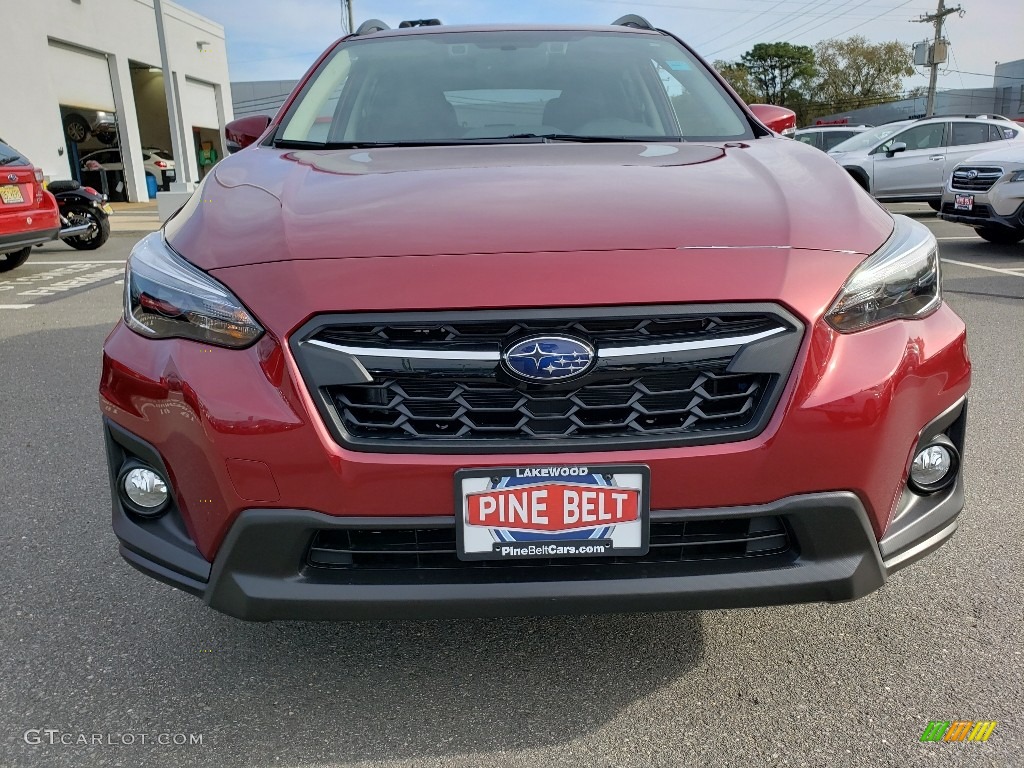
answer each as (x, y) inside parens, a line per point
(937, 19)
(346, 18)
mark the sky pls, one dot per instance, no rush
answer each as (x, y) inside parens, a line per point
(279, 39)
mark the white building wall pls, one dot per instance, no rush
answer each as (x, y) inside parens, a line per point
(122, 31)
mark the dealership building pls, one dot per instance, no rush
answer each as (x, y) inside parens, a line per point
(84, 93)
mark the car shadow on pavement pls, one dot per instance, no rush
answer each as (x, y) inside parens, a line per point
(408, 690)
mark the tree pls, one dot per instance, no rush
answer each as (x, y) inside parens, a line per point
(739, 78)
(854, 73)
(778, 71)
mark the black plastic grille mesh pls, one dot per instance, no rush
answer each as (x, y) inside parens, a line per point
(978, 179)
(435, 548)
(407, 407)
(638, 330)
(977, 212)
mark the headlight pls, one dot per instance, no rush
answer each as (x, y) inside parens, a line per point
(1017, 176)
(166, 297)
(901, 280)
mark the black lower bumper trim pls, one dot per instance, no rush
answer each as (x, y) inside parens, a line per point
(261, 574)
(19, 240)
(990, 219)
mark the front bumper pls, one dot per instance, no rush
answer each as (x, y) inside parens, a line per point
(984, 215)
(264, 569)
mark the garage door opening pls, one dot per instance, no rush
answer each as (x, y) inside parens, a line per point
(199, 103)
(81, 80)
(154, 126)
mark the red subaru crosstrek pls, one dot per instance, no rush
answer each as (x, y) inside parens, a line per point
(28, 213)
(503, 320)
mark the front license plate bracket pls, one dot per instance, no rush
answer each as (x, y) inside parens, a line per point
(558, 512)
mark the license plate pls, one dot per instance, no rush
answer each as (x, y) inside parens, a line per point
(171, 175)
(560, 511)
(964, 202)
(11, 193)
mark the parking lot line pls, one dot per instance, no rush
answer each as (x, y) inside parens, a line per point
(16, 306)
(982, 266)
(65, 263)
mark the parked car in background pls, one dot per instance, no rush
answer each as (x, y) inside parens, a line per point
(825, 137)
(910, 160)
(987, 193)
(158, 163)
(622, 351)
(80, 124)
(28, 213)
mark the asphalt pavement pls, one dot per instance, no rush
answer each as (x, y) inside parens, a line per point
(99, 665)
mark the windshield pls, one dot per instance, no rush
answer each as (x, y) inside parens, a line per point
(868, 139)
(10, 156)
(462, 87)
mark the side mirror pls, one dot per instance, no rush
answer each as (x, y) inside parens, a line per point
(899, 146)
(245, 131)
(778, 119)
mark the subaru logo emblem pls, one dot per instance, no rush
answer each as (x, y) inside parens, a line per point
(972, 174)
(548, 358)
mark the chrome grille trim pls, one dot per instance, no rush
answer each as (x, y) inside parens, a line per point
(495, 356)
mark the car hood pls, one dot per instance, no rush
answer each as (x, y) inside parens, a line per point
(1011, 154)
(267, 205)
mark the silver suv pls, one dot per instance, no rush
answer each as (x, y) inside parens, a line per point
(910, 160)
(987, 193)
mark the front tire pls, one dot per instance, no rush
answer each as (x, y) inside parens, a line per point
(9, 261)
(1000, 235)
(75, 128)
(96, 236)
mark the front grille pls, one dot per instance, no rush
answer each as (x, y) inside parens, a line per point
(983, 178)
(455, 407)
(977, 212)
(431, 549)
(474, 333)
(663, 375)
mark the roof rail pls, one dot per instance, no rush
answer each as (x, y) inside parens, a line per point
(982, 116)
(632, 20)
(371, 25)
(420, 23)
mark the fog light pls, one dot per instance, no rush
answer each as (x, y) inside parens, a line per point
(934, 467)
(145, 490)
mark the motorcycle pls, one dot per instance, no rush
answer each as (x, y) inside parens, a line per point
(84, 212)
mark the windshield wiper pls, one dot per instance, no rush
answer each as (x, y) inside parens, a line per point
(590, 139)
(8, 160)
(538, 137)
(286, 144)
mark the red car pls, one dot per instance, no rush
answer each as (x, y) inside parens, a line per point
(28, 213)
(504, 320)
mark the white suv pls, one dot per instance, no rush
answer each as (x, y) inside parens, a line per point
(987, 193)
(910, 160)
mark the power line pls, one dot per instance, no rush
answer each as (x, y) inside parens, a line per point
(771, 27)
(873, 18)
(743, 24)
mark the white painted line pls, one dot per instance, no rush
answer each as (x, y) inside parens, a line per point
(62, 263)
(16, 306)
(975, 239)
(982, 266)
